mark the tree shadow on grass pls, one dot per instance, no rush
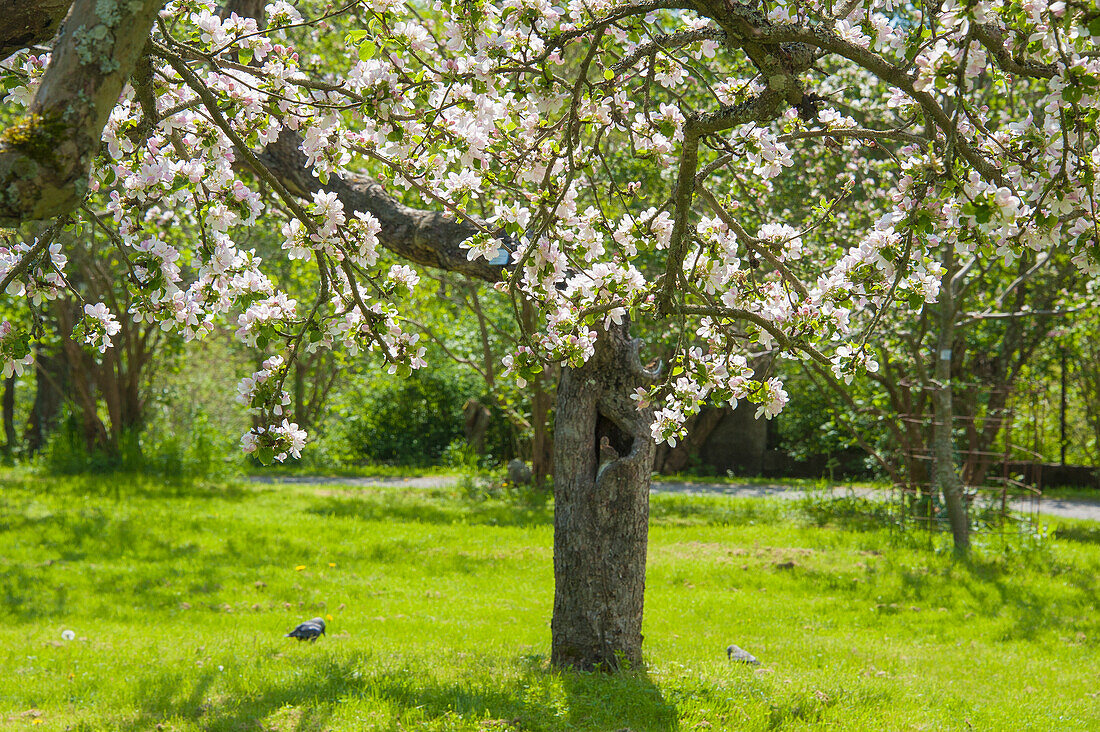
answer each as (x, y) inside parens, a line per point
(403, 507)
(999, 587)
(526, 699)
(850, 512)
(127, 486)
(436, 507)
(624, 700)
(1079, 533)
(123, 561)
(678, 510)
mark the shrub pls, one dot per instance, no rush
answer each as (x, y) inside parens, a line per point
(412, 421)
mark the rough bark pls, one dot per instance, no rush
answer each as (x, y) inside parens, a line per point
(29, 23)
(426, 237)
(601, 509)
(943, 443)
(46, 155)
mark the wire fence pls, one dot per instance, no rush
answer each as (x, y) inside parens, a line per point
(1002, 479)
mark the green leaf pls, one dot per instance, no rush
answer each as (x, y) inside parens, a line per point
(608, 74)
(265, 455)
(244, 55)
(367, 50)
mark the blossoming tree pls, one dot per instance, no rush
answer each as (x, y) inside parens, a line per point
(600, 161)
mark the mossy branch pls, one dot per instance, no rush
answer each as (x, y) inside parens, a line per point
(46, 157)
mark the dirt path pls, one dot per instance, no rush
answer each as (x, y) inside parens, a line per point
(1076, 509)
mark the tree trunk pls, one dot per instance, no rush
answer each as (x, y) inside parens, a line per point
(476, 420)
(83, 383)
(943, 443)
(603, 453)
(51, 382)
(542, 440)
(29, 22)
(9, 415)
(47, 152)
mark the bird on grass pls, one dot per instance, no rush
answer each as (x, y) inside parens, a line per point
(739, 654)
(309, 630)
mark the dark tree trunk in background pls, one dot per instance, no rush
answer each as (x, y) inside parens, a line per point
(82, 384)
(476, 418)
(9, 414)
(699, 428)
(51, 383)
(601, 509)
(542, 439)
(299, 394)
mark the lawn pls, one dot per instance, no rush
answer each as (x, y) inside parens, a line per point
(177, 598)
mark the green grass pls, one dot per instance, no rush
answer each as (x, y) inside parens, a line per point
(179, 595)
(360, 471)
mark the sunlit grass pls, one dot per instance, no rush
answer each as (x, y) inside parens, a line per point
(178, 598)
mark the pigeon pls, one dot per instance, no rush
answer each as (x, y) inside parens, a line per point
(309, 630)
(739, 654)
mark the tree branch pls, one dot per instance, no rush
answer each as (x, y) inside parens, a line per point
(993, 40)
(30, 23)
(46, 155)
(429, 238)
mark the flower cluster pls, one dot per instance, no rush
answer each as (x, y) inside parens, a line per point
(262, 391)
(276, 442)
(97, 327)
(15, 350)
